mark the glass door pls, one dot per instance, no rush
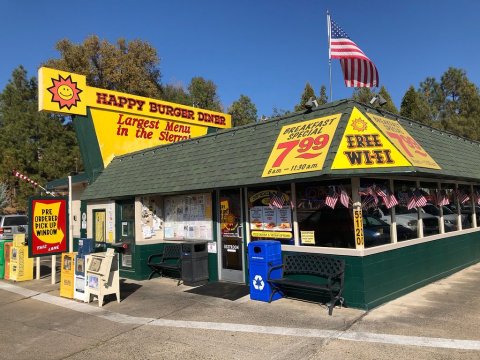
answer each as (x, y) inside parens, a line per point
(126, 232)
(231, 236)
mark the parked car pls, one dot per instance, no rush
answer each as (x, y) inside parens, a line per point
(334, 228)
(377, 232)
(409, 218)
(13, 224)
(450, 218)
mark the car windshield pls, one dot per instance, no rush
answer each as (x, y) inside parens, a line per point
(405, 210)
(431, 209)
(372, 221)
(447, 211)
(15, 220)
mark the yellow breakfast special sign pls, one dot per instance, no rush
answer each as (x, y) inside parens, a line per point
(363, 146)
(302, 147)
(404, 142)
(124, 123)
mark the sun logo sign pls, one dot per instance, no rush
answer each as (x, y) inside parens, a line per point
(65, 92)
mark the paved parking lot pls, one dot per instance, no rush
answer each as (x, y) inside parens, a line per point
(157, 319)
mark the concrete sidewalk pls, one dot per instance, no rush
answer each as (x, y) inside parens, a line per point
(440, 317)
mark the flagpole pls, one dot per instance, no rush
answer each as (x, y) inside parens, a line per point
(329, 29)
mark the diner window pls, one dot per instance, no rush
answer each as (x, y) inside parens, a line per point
(376, 199)
(464, 199)
(324, 214)
(429, 203)
(472, 206)
(411, 199)
(447, 197)
(270, 213)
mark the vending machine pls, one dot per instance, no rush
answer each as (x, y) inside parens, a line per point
(85, 247)
(102, 276)
(21, 266)
(7, 254)
(67, 275)
(2, 257)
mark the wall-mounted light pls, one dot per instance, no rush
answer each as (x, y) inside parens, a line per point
(378, 98)
(311, 103)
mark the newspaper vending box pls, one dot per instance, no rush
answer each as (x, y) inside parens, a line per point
(85, 247)
(102, 276)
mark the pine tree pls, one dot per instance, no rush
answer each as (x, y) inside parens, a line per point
(308, 93)
(322, 98)
(415, 107)
(38, 145)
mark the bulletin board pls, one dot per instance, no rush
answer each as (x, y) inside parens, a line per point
(188, 217)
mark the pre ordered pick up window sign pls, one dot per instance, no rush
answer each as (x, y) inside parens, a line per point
(301, 147)
(48, 227)
(188, 217)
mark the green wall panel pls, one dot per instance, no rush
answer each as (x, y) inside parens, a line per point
(375, 279)
(141, 271)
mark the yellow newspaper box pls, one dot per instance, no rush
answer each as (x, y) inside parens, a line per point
(21, 266)
(67, 275)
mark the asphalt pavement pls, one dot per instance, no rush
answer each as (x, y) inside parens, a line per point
(159, 320)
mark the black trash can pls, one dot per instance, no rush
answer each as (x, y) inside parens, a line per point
(194, 263)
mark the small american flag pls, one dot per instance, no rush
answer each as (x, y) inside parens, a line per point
(461, 196)
(412, 202)
(277, 200)
(358, 69)
(331, 198)
(390, 200)
(443, 198)
(420, 199)
(372, 193)
(344, 198)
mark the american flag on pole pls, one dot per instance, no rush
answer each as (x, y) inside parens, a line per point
(420, 199)
(344, 198)
(390, 200)
(358, 69)
(331, 198)
(277, 200)
(412, 202)
(442, 199)
(461, 196)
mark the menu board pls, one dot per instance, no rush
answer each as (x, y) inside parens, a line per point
(188, 217)
(271, 219)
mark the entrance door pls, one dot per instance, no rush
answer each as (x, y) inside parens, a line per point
(231, 236)
(126, 232)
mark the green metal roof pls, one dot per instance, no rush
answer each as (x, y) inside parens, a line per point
(237, 157)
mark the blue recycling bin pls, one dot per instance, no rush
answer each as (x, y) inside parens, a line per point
(262, 255)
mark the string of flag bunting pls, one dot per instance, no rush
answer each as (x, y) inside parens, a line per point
(25, 178)
(373, 196)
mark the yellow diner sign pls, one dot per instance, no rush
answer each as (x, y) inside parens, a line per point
(363, 146)
(404, 142)
(67, 93)
(124, 123)
(302, 147)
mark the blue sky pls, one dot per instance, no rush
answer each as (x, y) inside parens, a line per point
(266, 49)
